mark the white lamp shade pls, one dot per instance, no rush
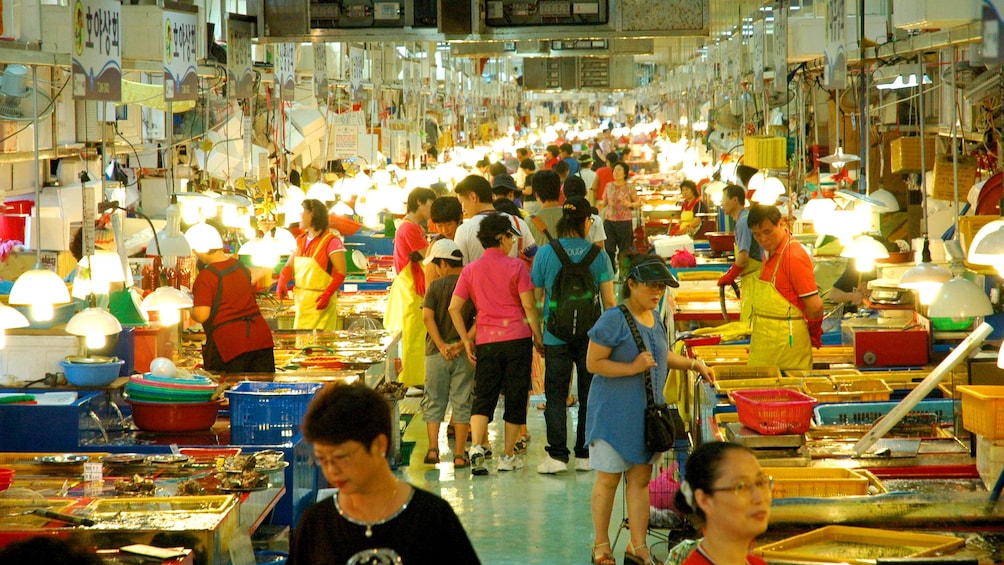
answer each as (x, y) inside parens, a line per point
(926, 279)
(865, 250)
(321, 191)
(987, 247)
(286, 241)
(756, 181)
(771, 190)
(887, 199)
(714, 191)
(11, 318)
(105, 267)
(838, 159)
(166, 298)
(93, 321)
(960, 299)
(203, 238)
(818, 208)
(170, 245)
(39, 286)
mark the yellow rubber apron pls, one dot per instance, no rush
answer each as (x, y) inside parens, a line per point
(312, 280)
(747, 280)
(779, 336)
(404, 314)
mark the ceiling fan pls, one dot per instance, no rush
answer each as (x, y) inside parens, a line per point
(18, 100)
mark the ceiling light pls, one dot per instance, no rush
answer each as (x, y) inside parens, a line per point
(818, 208)
(926, 278)
(203, 238)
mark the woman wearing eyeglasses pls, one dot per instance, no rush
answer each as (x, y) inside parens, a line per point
(615, 422)
(373, 517)
(728, 495)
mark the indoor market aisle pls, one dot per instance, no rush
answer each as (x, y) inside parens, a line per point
(519, 517)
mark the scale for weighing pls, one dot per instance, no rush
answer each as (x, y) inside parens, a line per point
(785, 450)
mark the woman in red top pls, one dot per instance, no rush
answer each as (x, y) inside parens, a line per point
(690, 206)
(552, 156)
(604, 176)
(318, 269)
(238, 340)
(727, 495)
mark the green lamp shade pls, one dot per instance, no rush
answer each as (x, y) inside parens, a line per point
(124, 305)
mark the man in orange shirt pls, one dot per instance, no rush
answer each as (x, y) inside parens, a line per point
(787, 312)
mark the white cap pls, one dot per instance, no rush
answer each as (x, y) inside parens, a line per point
(444, 249)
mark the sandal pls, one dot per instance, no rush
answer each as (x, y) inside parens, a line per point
(604, 557)
(432, 456)
(630, 556)
(461, 460)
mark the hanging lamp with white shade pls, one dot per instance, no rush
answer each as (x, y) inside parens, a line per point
(95, 325)
(10, 318)
(203, 238)
(167, 301)
(960, 299)
(865, 251)
(926, 278)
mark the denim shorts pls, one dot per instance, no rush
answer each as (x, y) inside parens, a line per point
(603, 457)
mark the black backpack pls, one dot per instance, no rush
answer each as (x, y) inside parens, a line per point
(574, 302)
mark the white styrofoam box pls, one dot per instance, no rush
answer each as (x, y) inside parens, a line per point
(989, 459)
(57, 32)
(29, 357)
(154, 195)
(55, 233)
(71, 199)
(804, 36)
(666, 246)
(931, 14)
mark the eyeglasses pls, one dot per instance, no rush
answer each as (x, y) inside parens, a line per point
(336, 460)
(656, 286)
(746, 488)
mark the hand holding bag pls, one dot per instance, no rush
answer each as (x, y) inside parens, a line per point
(661, 428)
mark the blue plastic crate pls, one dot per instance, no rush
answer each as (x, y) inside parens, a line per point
(266, 405)
(864, 413)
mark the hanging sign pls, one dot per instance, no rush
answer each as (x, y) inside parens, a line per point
(285, 75)
(97, 54)
(181, 82)
(321, 71)
(834, 56)
(240, 78)
(780, 59)
(757, 55)
(993, 20)
(357, 64)
(376, 68)
(346, 141)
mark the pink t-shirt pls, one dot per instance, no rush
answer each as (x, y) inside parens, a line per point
(494, 282)
(409, 238)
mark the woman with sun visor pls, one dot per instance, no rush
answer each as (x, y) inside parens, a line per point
(615, 423)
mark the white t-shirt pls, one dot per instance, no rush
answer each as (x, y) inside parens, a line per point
(466, 237)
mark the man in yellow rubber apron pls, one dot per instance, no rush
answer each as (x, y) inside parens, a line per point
(787, 312)
(318, 269)
(748, 254)
(404, 304)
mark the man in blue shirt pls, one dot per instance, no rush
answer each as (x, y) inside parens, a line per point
(559, 355)
(565, 153)
(749, 256)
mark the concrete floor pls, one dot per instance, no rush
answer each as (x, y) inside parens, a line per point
(518, 517)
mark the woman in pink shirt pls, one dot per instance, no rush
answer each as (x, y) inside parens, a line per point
(507, 330)
(621, 199)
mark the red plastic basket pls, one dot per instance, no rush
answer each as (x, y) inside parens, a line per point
(774, 411)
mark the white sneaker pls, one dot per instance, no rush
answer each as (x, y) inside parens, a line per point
(510, 463)
(582, 464)
(551, 466)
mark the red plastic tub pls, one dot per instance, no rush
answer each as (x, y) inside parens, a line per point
(174, 417)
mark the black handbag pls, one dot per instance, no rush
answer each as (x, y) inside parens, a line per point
(662, 423)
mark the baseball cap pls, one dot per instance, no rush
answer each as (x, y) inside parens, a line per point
(653, 270)
(577, 208)
(503, 181)
(443, 249)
